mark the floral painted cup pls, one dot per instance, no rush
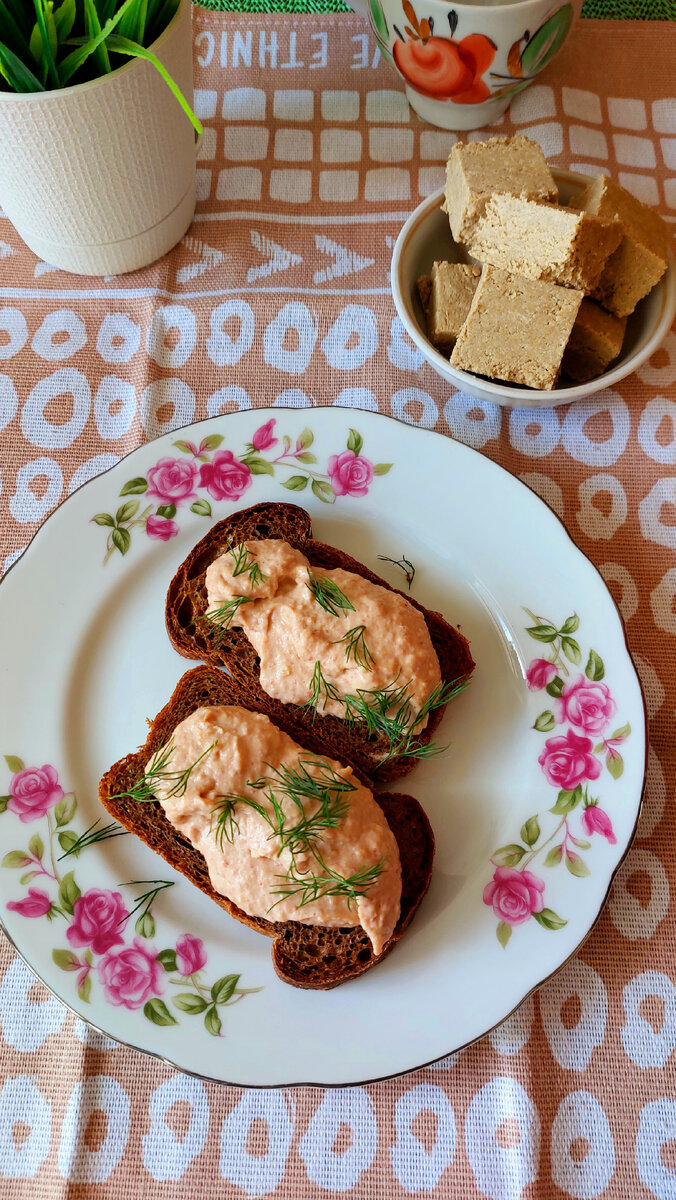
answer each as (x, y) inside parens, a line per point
(462, 65)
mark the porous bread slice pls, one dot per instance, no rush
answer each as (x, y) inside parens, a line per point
(191, 636)
(307, 956)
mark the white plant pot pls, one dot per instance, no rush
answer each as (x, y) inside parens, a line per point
(99, 178)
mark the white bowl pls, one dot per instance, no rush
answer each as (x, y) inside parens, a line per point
(427, 237)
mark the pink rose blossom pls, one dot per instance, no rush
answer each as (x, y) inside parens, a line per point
(161, 527)
(350, 474)
(567, 761)
(172, 480)
(539, 674)
(33, 791)
(514, 895)
(35, 904)
(595, 820)
(225, 477)
(190, 954)
(586, 704)
(132, 975)
(97, 918)
(263, 438)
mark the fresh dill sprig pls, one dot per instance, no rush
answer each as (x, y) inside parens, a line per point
(156, 772)
(404, 565)
(221, 618)
(245, 564)
(92, 835)
(297, 782)
(356, 648)
(401, 727)
(148, 898)
(224, 815)
(328, 595)
(321, 689)
(311, 888)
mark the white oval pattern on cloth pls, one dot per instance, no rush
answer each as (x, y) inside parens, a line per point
(164, 1155)
(37, 428)
(646, 1046)
(26, 1024)
(573, 1047)
(630, 917)
(223, 349)
(474, 430)
(580, 1115)
(416, 1168)
(76, 1161)
(170, 317)
(591, 520)
(21, 1101)
(120, 395)
(657, 411)
(338, 1172)
(65, 325)
(119, 338)
(256, 1174)
(656, 1126)
(14, 325)
(502, 1172)
(24, 505)
(167, 391)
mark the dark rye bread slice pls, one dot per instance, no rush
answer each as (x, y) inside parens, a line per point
(306, 956)
(190, 634)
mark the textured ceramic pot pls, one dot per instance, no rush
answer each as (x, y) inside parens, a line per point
(463, 64)
(99, 178)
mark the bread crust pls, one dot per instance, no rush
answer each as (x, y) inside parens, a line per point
(186, 606)
(306, 956)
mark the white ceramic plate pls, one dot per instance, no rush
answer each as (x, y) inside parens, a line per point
(85, 659)
(426, 236)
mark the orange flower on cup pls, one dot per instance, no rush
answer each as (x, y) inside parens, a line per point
(442, 68)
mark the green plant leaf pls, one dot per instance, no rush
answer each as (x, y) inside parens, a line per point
(168, 959)
(576, 865)
(503, 933)
(182, 446)
(594, 669)
(508, 856)
(87, 46)
(323, 491)
(66, 960)
(296, 483)
(36, 846)
(122, 45)
(306, 457)
(546, 40)
(64, 19)
(354, 441)
(190, 1002)
(104, 519)
(145, 925)
(382, 468)
(128, 510)
(549, 919)
(258, 465)
(202, 508)
(121, 539)
(530, 831)
(223, 988)
(160, 13)
(13, 33)
(166, 510)
(544, 722)
(212, 1021)
(379, 21)
(46, 43)
(22, 14)
(555, 686)
(566, 801)
(615, 763)
(554, 856)
(571, 650)
(155, 1010)
(134, 23)
(15, 764)
(135, 487)
(212, 442)
(67, 840)
(65, 809)
(16, 859)
(305, 439)
(571, 624)
(93, 29)
(69, 892)
(542, 633)
(4, 801)
(620, 734)
(84, 989)
(19, 77)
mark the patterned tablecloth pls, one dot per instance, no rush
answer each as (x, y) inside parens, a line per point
(279, 295)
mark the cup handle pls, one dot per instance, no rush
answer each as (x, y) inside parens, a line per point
(360, 7)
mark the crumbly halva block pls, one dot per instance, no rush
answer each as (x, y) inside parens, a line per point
(452, 288)
(542, 241)
(424, 286)
(517, 329)
(641, 259)
(595, 341)
(475, 171)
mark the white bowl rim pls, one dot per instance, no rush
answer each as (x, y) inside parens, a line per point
(509, 395)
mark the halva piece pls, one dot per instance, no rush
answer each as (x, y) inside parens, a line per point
(475, 171)
(452, 287)
(542, 241)
(517, 329)
(595, 341)
(641, 258)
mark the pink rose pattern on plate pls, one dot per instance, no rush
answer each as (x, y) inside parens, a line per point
(582, 710)
(221, 475)
(131, 973)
